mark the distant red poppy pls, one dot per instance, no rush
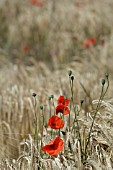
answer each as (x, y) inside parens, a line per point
(37, 3)
(62, 109)
(54, 147)
(55, 122)
(88, 42)
(79, 5)
(26, 48)
(62, 100)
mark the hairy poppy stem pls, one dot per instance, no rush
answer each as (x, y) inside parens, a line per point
(54, 108)
(35, 125)
(50, 114)
(76, 119)
(35, 121)
(96, 111)
(49, 107)
(71, 86)
(42, 109)
(59, 132)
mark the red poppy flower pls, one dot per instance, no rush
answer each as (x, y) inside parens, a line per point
(79, 5)
(62, 109)
(26, 48)
(62, 100)
(37, 3)
(55, 122)
(54, 147)
(88, 42)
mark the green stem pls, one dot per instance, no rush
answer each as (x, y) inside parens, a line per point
(76, 120)
(36, 123)
(96, 111)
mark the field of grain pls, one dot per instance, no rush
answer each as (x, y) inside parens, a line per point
(39, 44)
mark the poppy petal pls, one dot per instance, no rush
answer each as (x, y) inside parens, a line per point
(54, 147)
(55, 122)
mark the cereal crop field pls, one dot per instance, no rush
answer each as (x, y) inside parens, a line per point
(56, 85)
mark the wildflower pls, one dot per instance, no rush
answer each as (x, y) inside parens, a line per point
(55, 122)
(88, 42)
(37, 3)
(62, 109)
(26, 48)
(62, 100)
(54, 147)
(79, 5)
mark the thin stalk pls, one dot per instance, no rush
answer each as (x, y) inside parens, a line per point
(49, 108)
(97, 108)
(71, 86)
(35, 121)
(54, 108)
(59, 132)
(88, 95)
(50, 115)
(76, 120)
(35, 128)
(42, 126)
(78, 111)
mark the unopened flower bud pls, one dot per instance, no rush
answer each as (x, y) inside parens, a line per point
(52, 96)
(72, 78)
(107, 75)
(34, 94)
(103, 82)
(82, 101)
(69, 73)
(41, 107)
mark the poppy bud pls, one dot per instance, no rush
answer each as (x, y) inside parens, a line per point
(82, 101)
(107, 75)
(72, 78)
(103, 82)
(34, 94)
(69, 73)
(52, 96)
(41, 107)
